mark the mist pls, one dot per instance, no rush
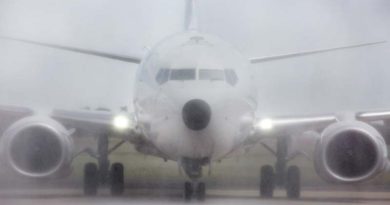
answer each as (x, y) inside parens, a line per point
(348, 80)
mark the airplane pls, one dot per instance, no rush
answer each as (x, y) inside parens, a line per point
(195, 103)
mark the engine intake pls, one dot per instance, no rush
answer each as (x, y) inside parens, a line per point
(350, 152)
(37, 147)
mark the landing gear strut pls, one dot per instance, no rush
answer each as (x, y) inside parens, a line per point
(270, 178)
(193, 169)
(100, 173)
(102, 157)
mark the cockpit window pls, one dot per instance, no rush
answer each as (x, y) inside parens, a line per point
(211, 74)
(183, 74)
(228, 75)
(231, 77)
(162, 76)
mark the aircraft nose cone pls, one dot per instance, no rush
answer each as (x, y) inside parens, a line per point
(196, 114)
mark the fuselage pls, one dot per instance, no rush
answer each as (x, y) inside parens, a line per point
(194, 97)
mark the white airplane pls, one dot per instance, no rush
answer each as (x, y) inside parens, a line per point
(195, 103)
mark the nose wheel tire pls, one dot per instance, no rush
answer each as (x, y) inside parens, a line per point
(267, 181)
(201, 191)
(188, 191)
(117, 179)
(293, 182)
(91, 179)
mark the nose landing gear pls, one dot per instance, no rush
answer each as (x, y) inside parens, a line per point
(201, 191)
(188, 191)
(194, 190)
(193, 169)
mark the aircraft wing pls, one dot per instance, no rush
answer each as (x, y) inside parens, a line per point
(287, 125)
(9, 114)
(310, 52)
(92, 123)
(380, 115)
(313, 128)
(112, 56)
(344, 148)
(82, 122)
(57, 137)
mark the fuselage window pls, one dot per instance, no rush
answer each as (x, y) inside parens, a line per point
(211, 74)
(183, 74)
(162, 76)
(231, 77)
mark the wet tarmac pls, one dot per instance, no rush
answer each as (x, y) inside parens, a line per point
(223, 197)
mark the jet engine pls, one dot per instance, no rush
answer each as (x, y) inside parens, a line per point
(349, 152)
(37, 147)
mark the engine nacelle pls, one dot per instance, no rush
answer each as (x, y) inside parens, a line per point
(349, 152)
(37, 147)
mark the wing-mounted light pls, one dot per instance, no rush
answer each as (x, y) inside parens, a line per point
(265, 125)
(123, 122)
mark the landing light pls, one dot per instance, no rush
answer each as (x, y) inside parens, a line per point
(266, 124)
(121, 122)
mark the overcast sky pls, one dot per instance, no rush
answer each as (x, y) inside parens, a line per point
(356, 79)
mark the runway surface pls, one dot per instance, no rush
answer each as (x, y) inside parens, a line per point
(223, 197)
